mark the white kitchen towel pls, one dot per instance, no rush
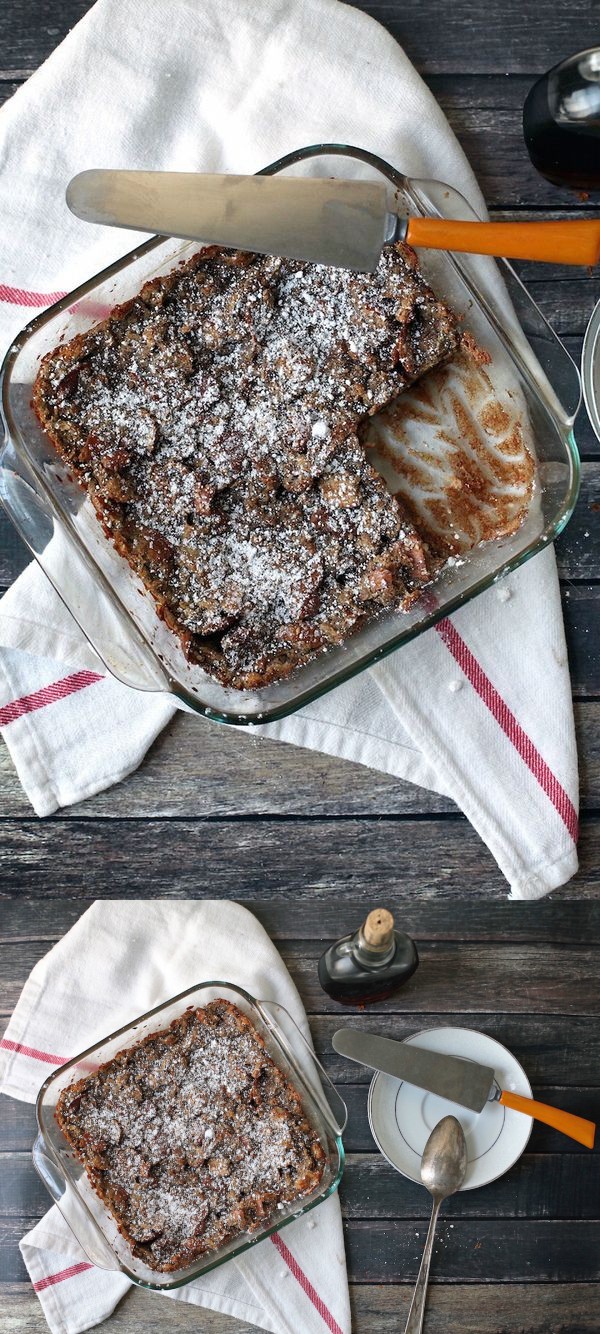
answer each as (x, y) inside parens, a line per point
(478, 709)
(118, 961)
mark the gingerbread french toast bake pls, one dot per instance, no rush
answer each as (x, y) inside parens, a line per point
(215, 423)
(192, 1137)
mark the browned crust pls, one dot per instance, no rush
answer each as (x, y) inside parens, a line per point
(393, 573)
(127, 1074)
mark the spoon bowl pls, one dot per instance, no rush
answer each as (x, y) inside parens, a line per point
(444, 1161)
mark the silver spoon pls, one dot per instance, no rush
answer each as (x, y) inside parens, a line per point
(443, 1168)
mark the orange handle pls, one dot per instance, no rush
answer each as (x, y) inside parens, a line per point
(574, 241)
(573, 1126)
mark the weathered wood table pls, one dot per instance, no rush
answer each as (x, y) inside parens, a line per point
(309, 842)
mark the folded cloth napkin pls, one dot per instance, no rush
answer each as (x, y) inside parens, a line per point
(478, 709)
(119, 960)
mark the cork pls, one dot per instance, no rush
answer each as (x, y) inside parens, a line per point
(378, 928)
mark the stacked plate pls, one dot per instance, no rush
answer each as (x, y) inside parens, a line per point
(590, 369)
(402, 1116)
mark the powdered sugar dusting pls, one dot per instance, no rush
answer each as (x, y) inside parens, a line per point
(192, 1136)
(213, 421)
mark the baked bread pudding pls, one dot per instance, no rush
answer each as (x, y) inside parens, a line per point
(192, 1137)
(215, 423)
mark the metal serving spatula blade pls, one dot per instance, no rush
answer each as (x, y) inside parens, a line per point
(331, 221)
(461, 1081)
(343, 223)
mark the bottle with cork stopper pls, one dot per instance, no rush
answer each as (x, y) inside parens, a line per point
(369, 965)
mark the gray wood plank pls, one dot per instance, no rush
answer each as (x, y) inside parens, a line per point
(29, 31)
(543, 978)
(506, 40)
(556, 1052)
(551, 923)
(563, 1050)
(18, 1123)
(566, 1185)
(469, 38)
(566, 296)
(244, 775)
(473, 1309)
(496, 1251)
(578, 548)
(580, 603)
(467, 1250)
(18, 1126)
(183, 858)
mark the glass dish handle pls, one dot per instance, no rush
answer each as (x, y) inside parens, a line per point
(28, 511)
(331, 1104)
(53, 547)
(71, 1208)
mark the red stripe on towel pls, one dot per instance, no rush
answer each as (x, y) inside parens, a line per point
(19, 296)
(61, 1275)
(512, 729)
(33, 1052)
(306, 1284)
(47, 695)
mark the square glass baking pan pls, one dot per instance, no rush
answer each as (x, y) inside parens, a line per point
(66, 1179)
(117, 614)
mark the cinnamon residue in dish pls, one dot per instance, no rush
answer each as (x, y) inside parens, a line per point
(454, 449)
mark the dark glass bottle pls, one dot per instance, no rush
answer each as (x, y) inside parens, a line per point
(369, 965)
(561, 122)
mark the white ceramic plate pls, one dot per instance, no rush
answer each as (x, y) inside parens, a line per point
(590, 369)
(402, 1116)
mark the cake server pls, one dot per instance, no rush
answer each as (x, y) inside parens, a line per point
(452, 1077)
(330, 221)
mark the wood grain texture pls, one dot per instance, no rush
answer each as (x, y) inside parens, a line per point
(312, 861)
(371, 1188)
(242, 775)
(561, 1051)
(493, 1251)
(553, 923)
(474, 1251)
(276, 858)
(464, 37)
(474, 1309)
(536, 978)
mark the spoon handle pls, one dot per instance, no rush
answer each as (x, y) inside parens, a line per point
(416, 1315)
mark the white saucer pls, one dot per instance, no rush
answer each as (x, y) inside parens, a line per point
(402, 1116)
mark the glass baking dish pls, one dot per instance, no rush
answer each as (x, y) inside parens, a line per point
(58, 523)
(66, 1179)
